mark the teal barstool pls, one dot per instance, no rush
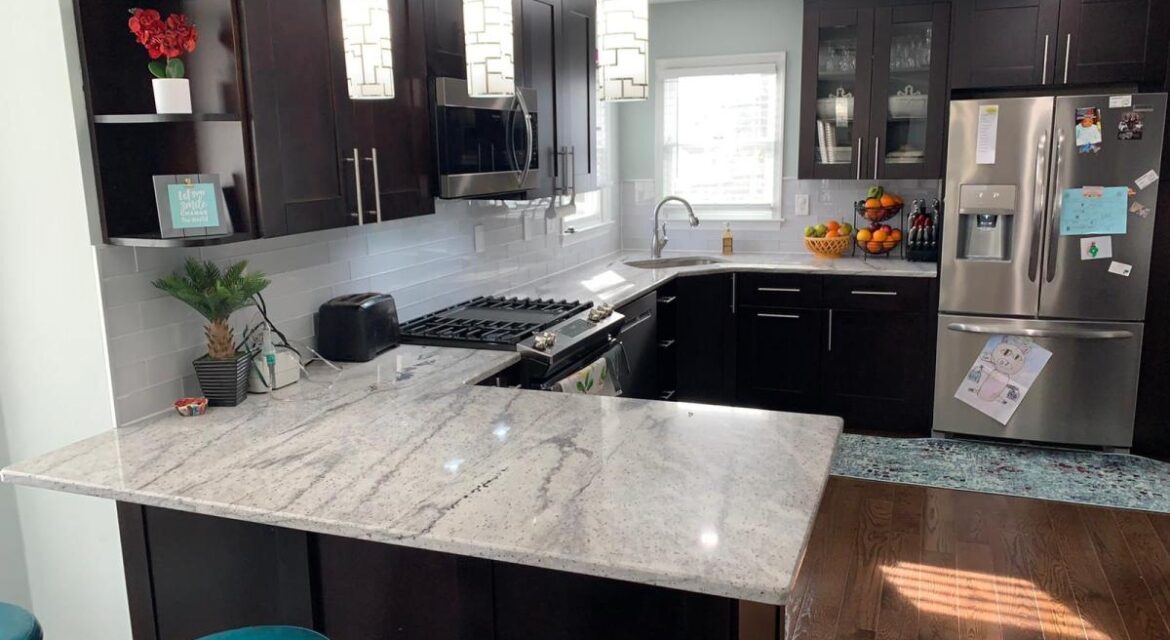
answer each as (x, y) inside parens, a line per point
(18, 624)
(265, 633)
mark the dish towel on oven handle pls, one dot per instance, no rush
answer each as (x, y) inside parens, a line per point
(601, 378)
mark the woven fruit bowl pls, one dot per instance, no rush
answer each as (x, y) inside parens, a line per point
(827, 247)
(878, 247)
(879, 214)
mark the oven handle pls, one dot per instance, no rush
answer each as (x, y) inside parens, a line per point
(528, 133)
(1040, 333)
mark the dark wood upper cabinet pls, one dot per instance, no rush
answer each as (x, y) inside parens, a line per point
(577, 91)
(536, 59)
(1016, 43)
(300, 114)
(874, 91)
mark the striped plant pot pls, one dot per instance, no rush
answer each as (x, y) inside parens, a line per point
(224, 382)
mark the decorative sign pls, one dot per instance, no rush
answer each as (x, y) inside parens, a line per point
(191, 205)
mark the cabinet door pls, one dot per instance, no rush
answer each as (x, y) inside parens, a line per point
(778, 358)
(1004, 43)
(705, 339)
(536, 55)
(639, 338)
(444, 27)
(299, 114)
(577, 92)
(1108, 41)
(908, 122)
(393, 136)
(835, 93)
(878, 370)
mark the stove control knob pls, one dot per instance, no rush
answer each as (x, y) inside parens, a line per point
(599, 313)
(544, 341)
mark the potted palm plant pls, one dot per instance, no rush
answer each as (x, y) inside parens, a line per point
(216, 294)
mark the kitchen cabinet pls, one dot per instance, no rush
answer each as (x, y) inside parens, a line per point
(705, 339)
(639, 338)
(1059, 42)
(536, 58)
(320, 156)
(874, 91)
(577, 92)
(779, 353)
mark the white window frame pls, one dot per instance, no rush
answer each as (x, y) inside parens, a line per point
(707, 65)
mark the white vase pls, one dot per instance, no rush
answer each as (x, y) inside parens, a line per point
(172, 95)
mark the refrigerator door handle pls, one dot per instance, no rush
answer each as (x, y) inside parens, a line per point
(1054, 214)
(1039, 204)
(1008, 330)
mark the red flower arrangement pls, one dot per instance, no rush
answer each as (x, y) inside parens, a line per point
(170, 38)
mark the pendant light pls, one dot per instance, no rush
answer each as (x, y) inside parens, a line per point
(623, 43)
(369, 56)
(487, 33)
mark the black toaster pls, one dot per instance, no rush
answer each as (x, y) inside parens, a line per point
(357, 327)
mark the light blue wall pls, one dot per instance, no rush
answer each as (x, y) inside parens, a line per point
(715, 27)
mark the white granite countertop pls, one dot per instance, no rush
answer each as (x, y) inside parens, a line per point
(401, 450)
(611, 280)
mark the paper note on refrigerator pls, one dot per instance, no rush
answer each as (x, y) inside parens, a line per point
(987, 134)
(1084, 212)
(1002, 375)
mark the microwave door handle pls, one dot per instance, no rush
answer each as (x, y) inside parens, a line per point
(1008, 330)
(1039, 203)
(1054, 214)
(529, 137)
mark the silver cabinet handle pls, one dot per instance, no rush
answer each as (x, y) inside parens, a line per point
(876, 150)
(1044, 73)
(1008, 330)
(785, 316)
(642, 318)
(1039, 203)
(357, 182)
(733, 293)
(830, 329)
(373, 160)
(1067, 51)
(874, 293)
(859, 154)
(779, 289)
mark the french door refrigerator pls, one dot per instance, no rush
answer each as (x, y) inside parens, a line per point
(1037, 254)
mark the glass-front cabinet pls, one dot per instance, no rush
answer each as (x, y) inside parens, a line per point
(873, 94)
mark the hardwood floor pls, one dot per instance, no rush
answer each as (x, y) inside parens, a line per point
(892, 562)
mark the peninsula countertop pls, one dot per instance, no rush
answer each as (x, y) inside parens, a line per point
(611, 280)
(402, 450)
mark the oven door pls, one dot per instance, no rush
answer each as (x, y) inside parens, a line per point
(486, 146)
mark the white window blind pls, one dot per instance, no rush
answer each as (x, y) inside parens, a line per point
(720, 127)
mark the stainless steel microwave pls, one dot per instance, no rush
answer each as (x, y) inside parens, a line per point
(484, 146)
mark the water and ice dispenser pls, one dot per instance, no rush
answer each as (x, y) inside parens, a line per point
(987, 217)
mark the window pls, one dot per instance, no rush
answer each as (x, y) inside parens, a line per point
(720, 128)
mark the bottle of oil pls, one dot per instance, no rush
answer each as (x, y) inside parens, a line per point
(728, 240)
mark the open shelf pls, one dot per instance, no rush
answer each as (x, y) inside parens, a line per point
(156, 241)
(155, 118)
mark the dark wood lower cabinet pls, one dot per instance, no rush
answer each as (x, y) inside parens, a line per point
(705, 334)
(190, 575)
(779, 353)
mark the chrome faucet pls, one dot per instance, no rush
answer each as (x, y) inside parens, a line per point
(659, 239)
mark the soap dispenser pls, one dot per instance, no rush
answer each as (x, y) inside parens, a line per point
(728, 240)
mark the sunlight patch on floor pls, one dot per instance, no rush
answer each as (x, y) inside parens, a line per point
(983, 597)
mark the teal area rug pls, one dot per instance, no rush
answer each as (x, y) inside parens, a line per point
(1082, 477)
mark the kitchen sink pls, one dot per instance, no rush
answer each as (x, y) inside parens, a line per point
(680, 261)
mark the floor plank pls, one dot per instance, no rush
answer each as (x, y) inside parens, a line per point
(896, 562)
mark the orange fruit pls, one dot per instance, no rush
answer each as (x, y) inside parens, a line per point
(873, 203)
(833, 225)
(865, 235)
(888, 200)
(880, 235)
(873, 246)
(896, 235)
(898, 199)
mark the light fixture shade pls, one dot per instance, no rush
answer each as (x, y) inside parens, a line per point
(623, 43)
(369, 55)
(487, 33)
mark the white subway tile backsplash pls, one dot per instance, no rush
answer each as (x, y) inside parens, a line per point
(427, 263)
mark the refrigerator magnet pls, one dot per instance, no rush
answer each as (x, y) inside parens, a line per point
(1120, 268)
(1130, 126)
(1096, 248)
(1120, 102)
(1140, 210)
(1148, 178)
(1088, 129)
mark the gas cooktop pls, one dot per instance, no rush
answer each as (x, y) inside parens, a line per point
(489, 322)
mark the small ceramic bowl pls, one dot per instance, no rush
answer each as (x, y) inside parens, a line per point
(189, 407)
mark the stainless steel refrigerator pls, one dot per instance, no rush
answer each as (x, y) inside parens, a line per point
(1032, 256)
